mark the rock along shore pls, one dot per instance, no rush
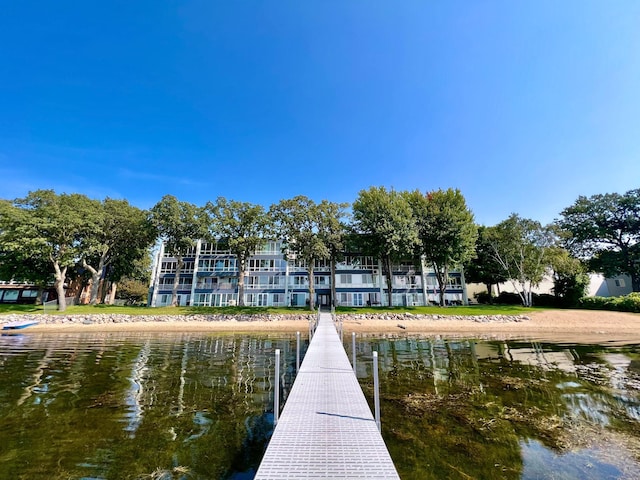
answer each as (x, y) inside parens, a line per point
(106, 318)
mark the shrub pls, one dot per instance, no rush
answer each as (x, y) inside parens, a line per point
(627, 303)
(508, 298)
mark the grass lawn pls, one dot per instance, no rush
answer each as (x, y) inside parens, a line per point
(96, 309)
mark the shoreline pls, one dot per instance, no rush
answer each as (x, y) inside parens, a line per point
(580, 326)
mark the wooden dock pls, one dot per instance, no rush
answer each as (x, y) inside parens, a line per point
(326, 429)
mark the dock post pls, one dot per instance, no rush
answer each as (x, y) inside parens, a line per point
(376, 390)
(276, 390)
(297, 352)
(353, 351)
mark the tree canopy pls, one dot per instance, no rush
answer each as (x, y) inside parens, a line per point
(521, 247)
(48, 228)
(446, 230)
(605, 230)
(309, 232)
(244, 226)
(180, 225)
(385, 226)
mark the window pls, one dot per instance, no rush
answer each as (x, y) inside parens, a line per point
(322, 264)
(369, 279)
(166, 283)
(620, 282)
(168, 266)
(357, 299)
(269, 248)
(299, 280)
(346, 279)
(322, 280)
(10, 295)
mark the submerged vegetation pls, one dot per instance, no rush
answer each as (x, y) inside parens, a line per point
(460, 409)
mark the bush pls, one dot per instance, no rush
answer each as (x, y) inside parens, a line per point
(483, 297)
(547, 300)
(508, 298)
(627, 303)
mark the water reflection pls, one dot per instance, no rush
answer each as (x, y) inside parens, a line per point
(199, 406)
(514, 410)
(132, 405)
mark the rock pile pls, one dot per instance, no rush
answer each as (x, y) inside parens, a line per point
(105, 318)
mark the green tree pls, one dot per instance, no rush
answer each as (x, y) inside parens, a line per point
(605, 230)
(570, 279)
(47, 227)
(521, 247)
(483, 267)
(244, 226)
(446, 231)
(386, 228)
(302, 226)
(17, 264)
(180, 226)
(123, 235)
(332, 231)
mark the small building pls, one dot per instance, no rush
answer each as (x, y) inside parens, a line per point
(209, 277)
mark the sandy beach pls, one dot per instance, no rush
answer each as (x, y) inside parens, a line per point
(582, 326)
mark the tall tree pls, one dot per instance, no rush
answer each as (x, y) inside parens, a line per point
(332, 231)
(44, 225)
(122, 236)
(521, 247)
(605, 230)
(299, 222)
(446, 231)
(16, 263)
(180, 226)
(570, 279)
(483, 268)
(386, 228)
(244, 226)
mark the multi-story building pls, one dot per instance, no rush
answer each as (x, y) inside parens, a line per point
(209, 277)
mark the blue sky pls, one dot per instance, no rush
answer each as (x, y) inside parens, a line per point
(522, 105)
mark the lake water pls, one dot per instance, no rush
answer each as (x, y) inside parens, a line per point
(199, 406)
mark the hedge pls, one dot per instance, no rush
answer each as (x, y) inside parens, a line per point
(627, 303)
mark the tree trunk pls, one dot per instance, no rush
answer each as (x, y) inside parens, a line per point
(95, 281)
(442, 277)
(489, 292)
(39, 299)
(333, 280)
(635, 281)
(112, 293)
(176, 281)
(389, 277)
(312, 289)
(242, 261)
(59, 278)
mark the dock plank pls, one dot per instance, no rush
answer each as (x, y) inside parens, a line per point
(326, 429)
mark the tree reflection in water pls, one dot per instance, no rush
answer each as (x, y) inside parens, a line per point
(137, 406)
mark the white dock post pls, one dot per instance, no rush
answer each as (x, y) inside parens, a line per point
(297, 352)
(353, 351)
(276, 390)
(376, 390)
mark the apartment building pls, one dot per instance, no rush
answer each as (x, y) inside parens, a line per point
(209, 277)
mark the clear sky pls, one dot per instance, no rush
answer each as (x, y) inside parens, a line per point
(522, 105)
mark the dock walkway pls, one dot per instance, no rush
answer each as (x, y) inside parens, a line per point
(326, 429)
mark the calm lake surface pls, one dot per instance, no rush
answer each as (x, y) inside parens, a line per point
(199, 406)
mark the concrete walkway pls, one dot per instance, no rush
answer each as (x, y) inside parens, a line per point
(326, 429)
